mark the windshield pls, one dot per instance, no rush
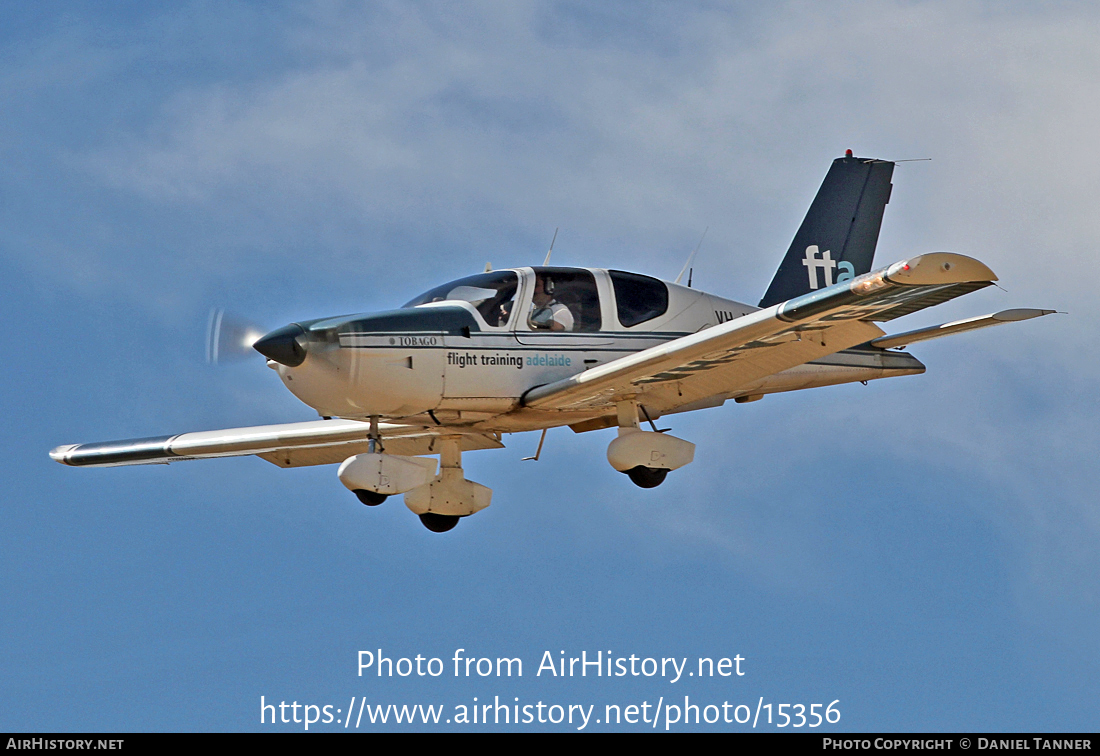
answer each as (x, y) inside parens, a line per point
(491, 294)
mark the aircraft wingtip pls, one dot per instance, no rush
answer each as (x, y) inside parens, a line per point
(61, 453)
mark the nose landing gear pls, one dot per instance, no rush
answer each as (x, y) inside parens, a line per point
(442, 501)
(438, 523)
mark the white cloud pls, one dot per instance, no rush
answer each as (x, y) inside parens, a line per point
(487, 118)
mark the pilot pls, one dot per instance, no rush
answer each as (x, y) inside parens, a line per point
(548, 314)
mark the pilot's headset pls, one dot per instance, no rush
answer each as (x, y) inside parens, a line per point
(548, 285)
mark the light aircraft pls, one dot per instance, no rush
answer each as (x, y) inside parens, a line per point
(533, 348)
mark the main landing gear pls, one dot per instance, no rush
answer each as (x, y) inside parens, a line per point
(370, 498)
(646, 457)
(646, 477)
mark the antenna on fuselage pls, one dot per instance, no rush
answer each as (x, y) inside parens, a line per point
(547, 260)
(687, 265)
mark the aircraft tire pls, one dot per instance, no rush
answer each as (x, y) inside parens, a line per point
(370, 498)
(438, 523)
(647, 477)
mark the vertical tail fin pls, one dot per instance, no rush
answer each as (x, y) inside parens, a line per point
(837, 239)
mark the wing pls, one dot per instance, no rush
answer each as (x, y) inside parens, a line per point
(316, 442)
(726, 357)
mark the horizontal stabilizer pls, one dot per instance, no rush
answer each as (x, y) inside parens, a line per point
(958, 326)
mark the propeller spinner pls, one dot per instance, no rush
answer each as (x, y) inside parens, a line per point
(283, 345)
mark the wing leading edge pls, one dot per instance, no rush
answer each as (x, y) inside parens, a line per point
(315, 442)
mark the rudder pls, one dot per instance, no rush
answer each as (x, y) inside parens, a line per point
(837, 238)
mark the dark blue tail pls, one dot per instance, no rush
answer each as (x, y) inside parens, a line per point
(837, 239)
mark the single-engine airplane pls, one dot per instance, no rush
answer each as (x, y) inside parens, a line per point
(534, 348)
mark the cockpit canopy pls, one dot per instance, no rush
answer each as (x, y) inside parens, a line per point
(557, 299)
(492, 294)
(573, 290)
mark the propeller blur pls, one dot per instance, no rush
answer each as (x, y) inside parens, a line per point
(229, 337)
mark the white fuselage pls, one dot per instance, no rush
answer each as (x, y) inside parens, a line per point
(480, 375)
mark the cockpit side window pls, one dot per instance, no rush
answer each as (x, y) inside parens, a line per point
(638, 298)
(492, 294)
(565, 299)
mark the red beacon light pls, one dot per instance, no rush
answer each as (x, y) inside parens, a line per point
(847, 153)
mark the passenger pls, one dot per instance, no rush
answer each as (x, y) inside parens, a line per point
(548, 314)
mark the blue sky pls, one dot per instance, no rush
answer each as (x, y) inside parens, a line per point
(922, 549)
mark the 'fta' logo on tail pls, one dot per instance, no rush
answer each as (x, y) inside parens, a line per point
(826, 264)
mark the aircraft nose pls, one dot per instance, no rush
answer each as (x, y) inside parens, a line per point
(283, 345)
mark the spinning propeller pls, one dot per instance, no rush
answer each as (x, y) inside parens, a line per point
(230, 338)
